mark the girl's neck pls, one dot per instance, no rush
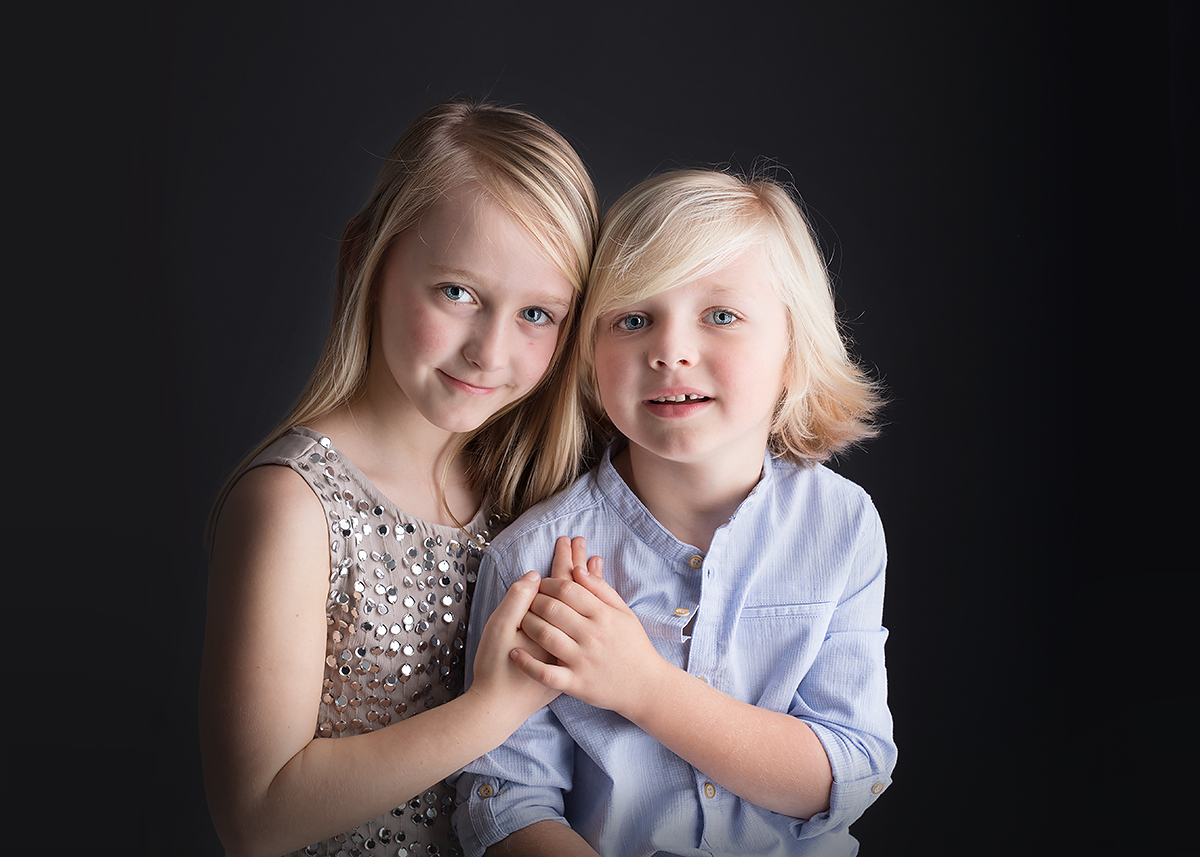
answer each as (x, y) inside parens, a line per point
(404, 457)
(691, 500)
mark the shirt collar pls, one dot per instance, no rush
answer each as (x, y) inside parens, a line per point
(646, 527)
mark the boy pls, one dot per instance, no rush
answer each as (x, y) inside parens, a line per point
(726, 694)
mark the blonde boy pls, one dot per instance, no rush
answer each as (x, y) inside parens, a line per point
(724, 692)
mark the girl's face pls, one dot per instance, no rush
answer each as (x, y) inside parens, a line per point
(693, 374)
(468, 313)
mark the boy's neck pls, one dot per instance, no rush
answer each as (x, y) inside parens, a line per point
(691, 500)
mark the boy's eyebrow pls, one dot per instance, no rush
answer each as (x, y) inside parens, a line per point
(722, 289)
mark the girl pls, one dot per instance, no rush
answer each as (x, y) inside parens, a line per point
(341, 578)
(727, 694)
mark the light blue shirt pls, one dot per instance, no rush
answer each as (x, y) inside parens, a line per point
(787, 608)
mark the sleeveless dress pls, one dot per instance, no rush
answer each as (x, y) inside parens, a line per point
(399, 596)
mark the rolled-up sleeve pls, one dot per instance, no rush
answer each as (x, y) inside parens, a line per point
(522, 781)
(843, 697)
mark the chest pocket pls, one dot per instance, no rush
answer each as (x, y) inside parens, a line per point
(788, 611)
(772, 649)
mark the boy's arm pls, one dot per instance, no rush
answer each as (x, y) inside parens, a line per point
(771, 759)
(777, 761)
(605, 659)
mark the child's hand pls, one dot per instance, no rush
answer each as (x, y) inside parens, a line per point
(570, 554)
(498, 678)
(600, 646)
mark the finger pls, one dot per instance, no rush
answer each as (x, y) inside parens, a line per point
(594, 566)
(569, 593)
(595, 584)
(563, 561)
(549, 675)
(560, 614)
(515, 604)
(523, 642)
(552, 639)
(578, 552)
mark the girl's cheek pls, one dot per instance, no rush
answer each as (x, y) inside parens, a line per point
(538, 354)
(425, 334)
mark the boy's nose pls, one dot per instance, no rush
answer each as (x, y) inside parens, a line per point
(671, 348)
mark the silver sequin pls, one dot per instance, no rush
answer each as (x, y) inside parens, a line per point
(370, 658)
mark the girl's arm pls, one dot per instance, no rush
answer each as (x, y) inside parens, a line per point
(272, 787)
(605, 659)
(543, 839)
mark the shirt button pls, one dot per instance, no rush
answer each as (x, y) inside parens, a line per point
(710, 791)
(485, 791)
(696, 561)
(682, 611)
(877, 788)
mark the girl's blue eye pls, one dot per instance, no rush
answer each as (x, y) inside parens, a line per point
(535, 315)
(722, 317)
(631, 322)
(457, 294)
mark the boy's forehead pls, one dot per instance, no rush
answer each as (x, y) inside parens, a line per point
(738, 275)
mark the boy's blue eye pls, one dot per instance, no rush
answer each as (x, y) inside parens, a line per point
(722, 317)
(535, 315)
(457, 294)
(632, 322)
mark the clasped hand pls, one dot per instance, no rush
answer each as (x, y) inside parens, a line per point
(598, 647)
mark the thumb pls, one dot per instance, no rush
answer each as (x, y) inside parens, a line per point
(516, 602)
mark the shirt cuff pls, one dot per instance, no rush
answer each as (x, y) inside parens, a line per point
(855, 787)
(488, 809)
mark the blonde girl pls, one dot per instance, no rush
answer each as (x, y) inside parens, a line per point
(345, 549)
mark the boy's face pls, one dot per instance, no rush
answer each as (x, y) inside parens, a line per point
(693, 374)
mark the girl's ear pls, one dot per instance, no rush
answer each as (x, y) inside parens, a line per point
(350, 252)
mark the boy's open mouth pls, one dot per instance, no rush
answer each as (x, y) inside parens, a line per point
(663, 400)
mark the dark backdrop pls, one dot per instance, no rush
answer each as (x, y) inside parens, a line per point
(978, 173)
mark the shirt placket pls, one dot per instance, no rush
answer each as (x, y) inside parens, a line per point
(704, 649)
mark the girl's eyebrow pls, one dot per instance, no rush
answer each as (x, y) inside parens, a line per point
(544, 299)
(456, 273)
(550, 301)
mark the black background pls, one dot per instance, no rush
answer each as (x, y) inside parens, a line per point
(985, 178)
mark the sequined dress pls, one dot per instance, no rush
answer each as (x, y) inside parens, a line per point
(399, 594)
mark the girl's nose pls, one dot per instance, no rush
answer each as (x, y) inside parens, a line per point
(487, 348)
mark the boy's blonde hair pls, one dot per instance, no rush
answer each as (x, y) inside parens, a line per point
(534, 446)
(687, 224)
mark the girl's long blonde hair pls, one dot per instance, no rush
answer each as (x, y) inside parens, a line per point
(532, 447)
(686, 224)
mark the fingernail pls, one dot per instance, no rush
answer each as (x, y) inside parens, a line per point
(582, 569)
